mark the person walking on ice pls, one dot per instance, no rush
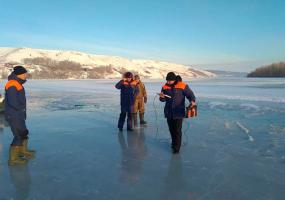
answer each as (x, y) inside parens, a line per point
(173, 93)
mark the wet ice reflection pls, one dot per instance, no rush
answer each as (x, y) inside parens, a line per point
(21, 180)
(81, 154)
(134, 152)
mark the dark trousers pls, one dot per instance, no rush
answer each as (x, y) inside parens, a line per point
(123, 118)
(175, 129)
(19, 130)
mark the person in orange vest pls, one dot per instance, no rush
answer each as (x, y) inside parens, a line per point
(15, 114)
(129, 91)
(141, 99)
(173, 93)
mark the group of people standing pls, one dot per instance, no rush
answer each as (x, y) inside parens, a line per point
(133, 98)
(173, 93)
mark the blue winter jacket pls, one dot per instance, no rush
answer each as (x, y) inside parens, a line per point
(175, 106)
(15, 98)
(129, 91)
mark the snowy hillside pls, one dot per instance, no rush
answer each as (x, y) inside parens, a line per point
(78, 65)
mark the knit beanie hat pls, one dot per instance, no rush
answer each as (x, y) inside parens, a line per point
(18, 70)
(171, 76)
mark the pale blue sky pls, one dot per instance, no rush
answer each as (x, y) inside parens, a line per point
(236, 35)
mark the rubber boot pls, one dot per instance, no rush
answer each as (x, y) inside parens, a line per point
(25, 152)
(135, 119)
(14, 156)
(142, 122)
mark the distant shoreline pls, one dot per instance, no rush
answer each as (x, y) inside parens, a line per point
(266, 77)
(275, 70)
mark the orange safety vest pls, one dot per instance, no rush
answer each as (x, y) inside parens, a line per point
(13, 83)
(179, 85)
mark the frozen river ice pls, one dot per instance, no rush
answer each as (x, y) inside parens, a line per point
(234, 149)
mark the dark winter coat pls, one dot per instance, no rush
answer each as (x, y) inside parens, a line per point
(129, 91)
(15, 99)
(175, 106)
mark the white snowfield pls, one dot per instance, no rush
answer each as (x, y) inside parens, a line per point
(145, 68)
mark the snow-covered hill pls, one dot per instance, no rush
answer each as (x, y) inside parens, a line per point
(78, 65)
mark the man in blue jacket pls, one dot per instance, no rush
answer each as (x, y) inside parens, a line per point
(173, 93)
(15, 114)
(129, 90)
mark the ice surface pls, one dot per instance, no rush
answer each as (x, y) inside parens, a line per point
(81, 155)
